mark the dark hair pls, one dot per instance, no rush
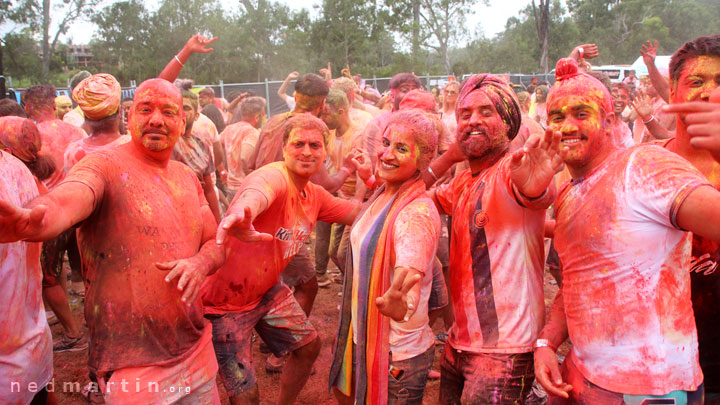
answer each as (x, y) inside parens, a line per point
(42, 167)
(190, 96)
(312, 85)
(207, 91)
(42, 96)
(184, 84)
(621, 86)
(77, 78)
(10, 107)
(401, 78)
(212, 112)
(603, 78)
(251, 107)
(108, 124)
(702, 46)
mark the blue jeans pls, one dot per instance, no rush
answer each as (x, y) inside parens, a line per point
(409, 385)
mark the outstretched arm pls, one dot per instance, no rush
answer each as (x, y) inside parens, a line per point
(48, 215)
(649, 52)
(239, 218)
(197, 43)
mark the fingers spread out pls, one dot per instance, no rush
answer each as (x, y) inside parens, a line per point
(410, 283)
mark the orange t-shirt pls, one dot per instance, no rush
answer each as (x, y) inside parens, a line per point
(142, 215)
(251, 269)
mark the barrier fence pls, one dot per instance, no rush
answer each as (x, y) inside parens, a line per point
(276, 105)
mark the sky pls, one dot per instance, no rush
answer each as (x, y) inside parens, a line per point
(490, 18)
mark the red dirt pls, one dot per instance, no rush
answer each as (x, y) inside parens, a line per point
(72, 366)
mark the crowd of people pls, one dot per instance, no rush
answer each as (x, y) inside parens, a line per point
(186, 219)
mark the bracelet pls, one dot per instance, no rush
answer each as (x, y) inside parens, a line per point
(543, 343)
(581, 52)
(370, 182)
(432, 173)
(346, 170)
(652, 118)
(178, 61)
(531, 198)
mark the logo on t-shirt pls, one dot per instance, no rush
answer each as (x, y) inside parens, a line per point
(480, 219)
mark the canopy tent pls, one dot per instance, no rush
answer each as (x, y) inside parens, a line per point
(661, 61)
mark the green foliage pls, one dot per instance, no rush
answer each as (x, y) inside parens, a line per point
(264, 39)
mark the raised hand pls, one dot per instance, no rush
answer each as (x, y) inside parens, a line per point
(240, 226)
(702, 120)
(641, 104)
(191, 275)
(396, 302)
(589, 51)
(533, 166)
(649, 52)
(293, 76)
(547, 373)
(198, 44)
(17, 223)
(362, 162)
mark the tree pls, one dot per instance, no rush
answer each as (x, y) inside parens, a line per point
(542, 20)
(37, 17)
(436, 24)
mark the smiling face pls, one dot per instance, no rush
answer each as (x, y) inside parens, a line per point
(304, 152)
(156, 118)
(584, 126)
(481, 131)
(621, 98)
(398, 155)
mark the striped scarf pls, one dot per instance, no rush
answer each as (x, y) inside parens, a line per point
(373, 335)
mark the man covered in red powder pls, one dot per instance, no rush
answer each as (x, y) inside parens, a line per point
(240, 139)
(145, 235)
(56, 135)
(625, 253)
(496, 252)
(272, 215)
(695, 80)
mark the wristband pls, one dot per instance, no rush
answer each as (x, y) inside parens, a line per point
(432, 173)
(178, 61)
(543, 343)
(652, 118)
(370, 182)
(581, 52)
(346, 170)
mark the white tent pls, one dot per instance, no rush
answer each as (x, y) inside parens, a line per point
(662, 63)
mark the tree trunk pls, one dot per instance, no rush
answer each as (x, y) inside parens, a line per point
(46, 42)
(416, 28)
(542, 25)
(544, 52)
(446, 60)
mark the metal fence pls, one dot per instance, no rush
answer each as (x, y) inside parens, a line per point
(276, 105)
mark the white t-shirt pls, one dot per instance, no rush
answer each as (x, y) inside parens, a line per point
(26, 343)
(626, 285)
(417, 229)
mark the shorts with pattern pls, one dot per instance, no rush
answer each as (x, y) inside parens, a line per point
(279, 321)
(300, 270)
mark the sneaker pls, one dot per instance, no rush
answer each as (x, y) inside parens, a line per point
(68, 344)
(433, 375)
(324, 281)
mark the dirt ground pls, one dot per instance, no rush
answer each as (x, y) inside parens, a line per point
(72, 366)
